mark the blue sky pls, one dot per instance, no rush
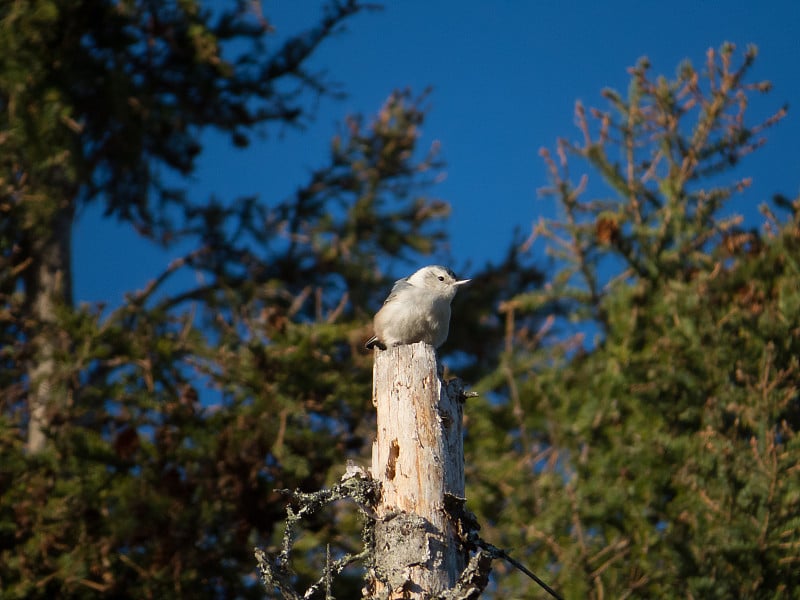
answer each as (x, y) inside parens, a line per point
(505, 77)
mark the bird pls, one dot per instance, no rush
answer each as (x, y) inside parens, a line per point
(417, 309)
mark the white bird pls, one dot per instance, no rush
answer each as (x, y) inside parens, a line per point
(417, 309)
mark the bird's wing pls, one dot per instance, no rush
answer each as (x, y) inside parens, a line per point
(399, 286)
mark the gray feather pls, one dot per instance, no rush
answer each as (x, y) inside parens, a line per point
(399, 286)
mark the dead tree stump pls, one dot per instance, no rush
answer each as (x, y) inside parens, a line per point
(418, 458)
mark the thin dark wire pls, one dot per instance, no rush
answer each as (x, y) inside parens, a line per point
(499, 553)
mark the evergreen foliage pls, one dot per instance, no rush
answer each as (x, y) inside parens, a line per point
(660, 460)
(164, 426)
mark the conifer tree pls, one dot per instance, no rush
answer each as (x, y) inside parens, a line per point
(658, 459)
(142, 445)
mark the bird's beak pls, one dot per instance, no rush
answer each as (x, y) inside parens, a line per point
(462, 282)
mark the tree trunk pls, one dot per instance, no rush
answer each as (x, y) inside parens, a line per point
(48, 286)
(418, 457)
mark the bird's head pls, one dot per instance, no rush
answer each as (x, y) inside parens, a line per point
(437, 279)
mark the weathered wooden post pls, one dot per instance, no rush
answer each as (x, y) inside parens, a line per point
(418, 458)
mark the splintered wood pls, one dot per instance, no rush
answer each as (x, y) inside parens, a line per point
(418, 457)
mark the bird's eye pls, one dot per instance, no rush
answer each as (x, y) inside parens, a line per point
(441, 278)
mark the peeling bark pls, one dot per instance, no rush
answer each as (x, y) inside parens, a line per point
(418, 458)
